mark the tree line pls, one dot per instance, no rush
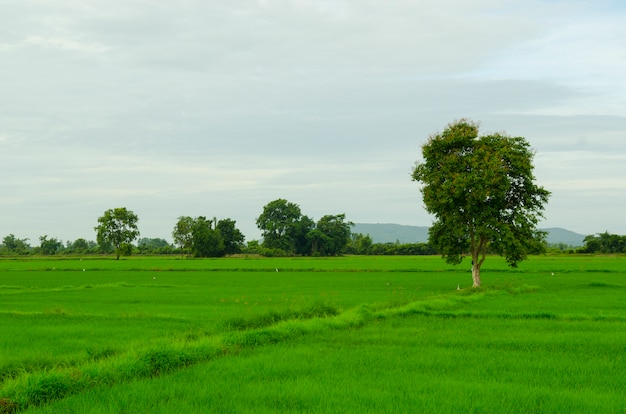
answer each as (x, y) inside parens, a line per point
(604, 243)
(481, 189)
(284, 225)
(286, 231)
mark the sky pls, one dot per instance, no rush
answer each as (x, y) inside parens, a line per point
(215, 108)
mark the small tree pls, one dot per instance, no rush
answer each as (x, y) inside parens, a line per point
(49, 246)
(118, 227)
(78, 246)
(360, 243)
(483, 194)
(13, 245)
(183, 233)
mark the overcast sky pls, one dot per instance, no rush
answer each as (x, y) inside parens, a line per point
(216, 108)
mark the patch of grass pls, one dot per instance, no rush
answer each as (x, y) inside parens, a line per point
(317, 309)
(603, 285)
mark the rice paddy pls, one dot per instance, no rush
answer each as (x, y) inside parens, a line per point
(312, 335)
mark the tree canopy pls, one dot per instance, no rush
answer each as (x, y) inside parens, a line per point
(604, 243)
(283, 226)
(117, 226)
(14, 245)
(183, 233)
(483, 194)
(232, 237)
(207, 238)
(336, 233)
(286, 229)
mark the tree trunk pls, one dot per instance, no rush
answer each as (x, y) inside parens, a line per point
(478, 257)
(476, 275)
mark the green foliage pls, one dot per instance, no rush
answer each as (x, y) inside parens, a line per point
(336, 230)
(183, 234)
(81, 246)
(317, 309)
(604, 243)
(232, 237)
(207, 241)
(285, 229)
(207, 238)
(402, 249)
(301, 229)
(118, 227)
(13, 245)
(482, 193)
(50, 246)
(283, 226)
(359, 244)
(154, 246)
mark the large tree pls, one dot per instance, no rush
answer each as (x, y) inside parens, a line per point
(483, 194)
(232, 237)
(49, 246)
(337, 233)
(284, 227)
(207, 240)
(118, 227)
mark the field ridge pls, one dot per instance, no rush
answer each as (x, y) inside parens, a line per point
(30, 387)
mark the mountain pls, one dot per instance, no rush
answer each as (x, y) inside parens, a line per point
(558, 235)
(390, 233)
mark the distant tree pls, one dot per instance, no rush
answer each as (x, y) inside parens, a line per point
(79, 246)
(13, 245)
(252, 247)
(604, 243)
(207, 241)
(233, 239)
(337, 232)
(359, 244)
(402, 249)
(483, 194)
(154, 246)
(283, 226)
(183, 233)
(49, 246)
(118, 227)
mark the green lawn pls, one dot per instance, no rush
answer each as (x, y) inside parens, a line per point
(350, 334)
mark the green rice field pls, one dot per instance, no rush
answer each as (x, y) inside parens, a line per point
(354, 334)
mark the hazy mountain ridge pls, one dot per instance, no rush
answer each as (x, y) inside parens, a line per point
(390, 233)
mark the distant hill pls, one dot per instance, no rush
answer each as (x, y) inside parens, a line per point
(390, 233)
(559, 235)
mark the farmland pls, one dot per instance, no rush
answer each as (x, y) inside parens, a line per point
(328, 335)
